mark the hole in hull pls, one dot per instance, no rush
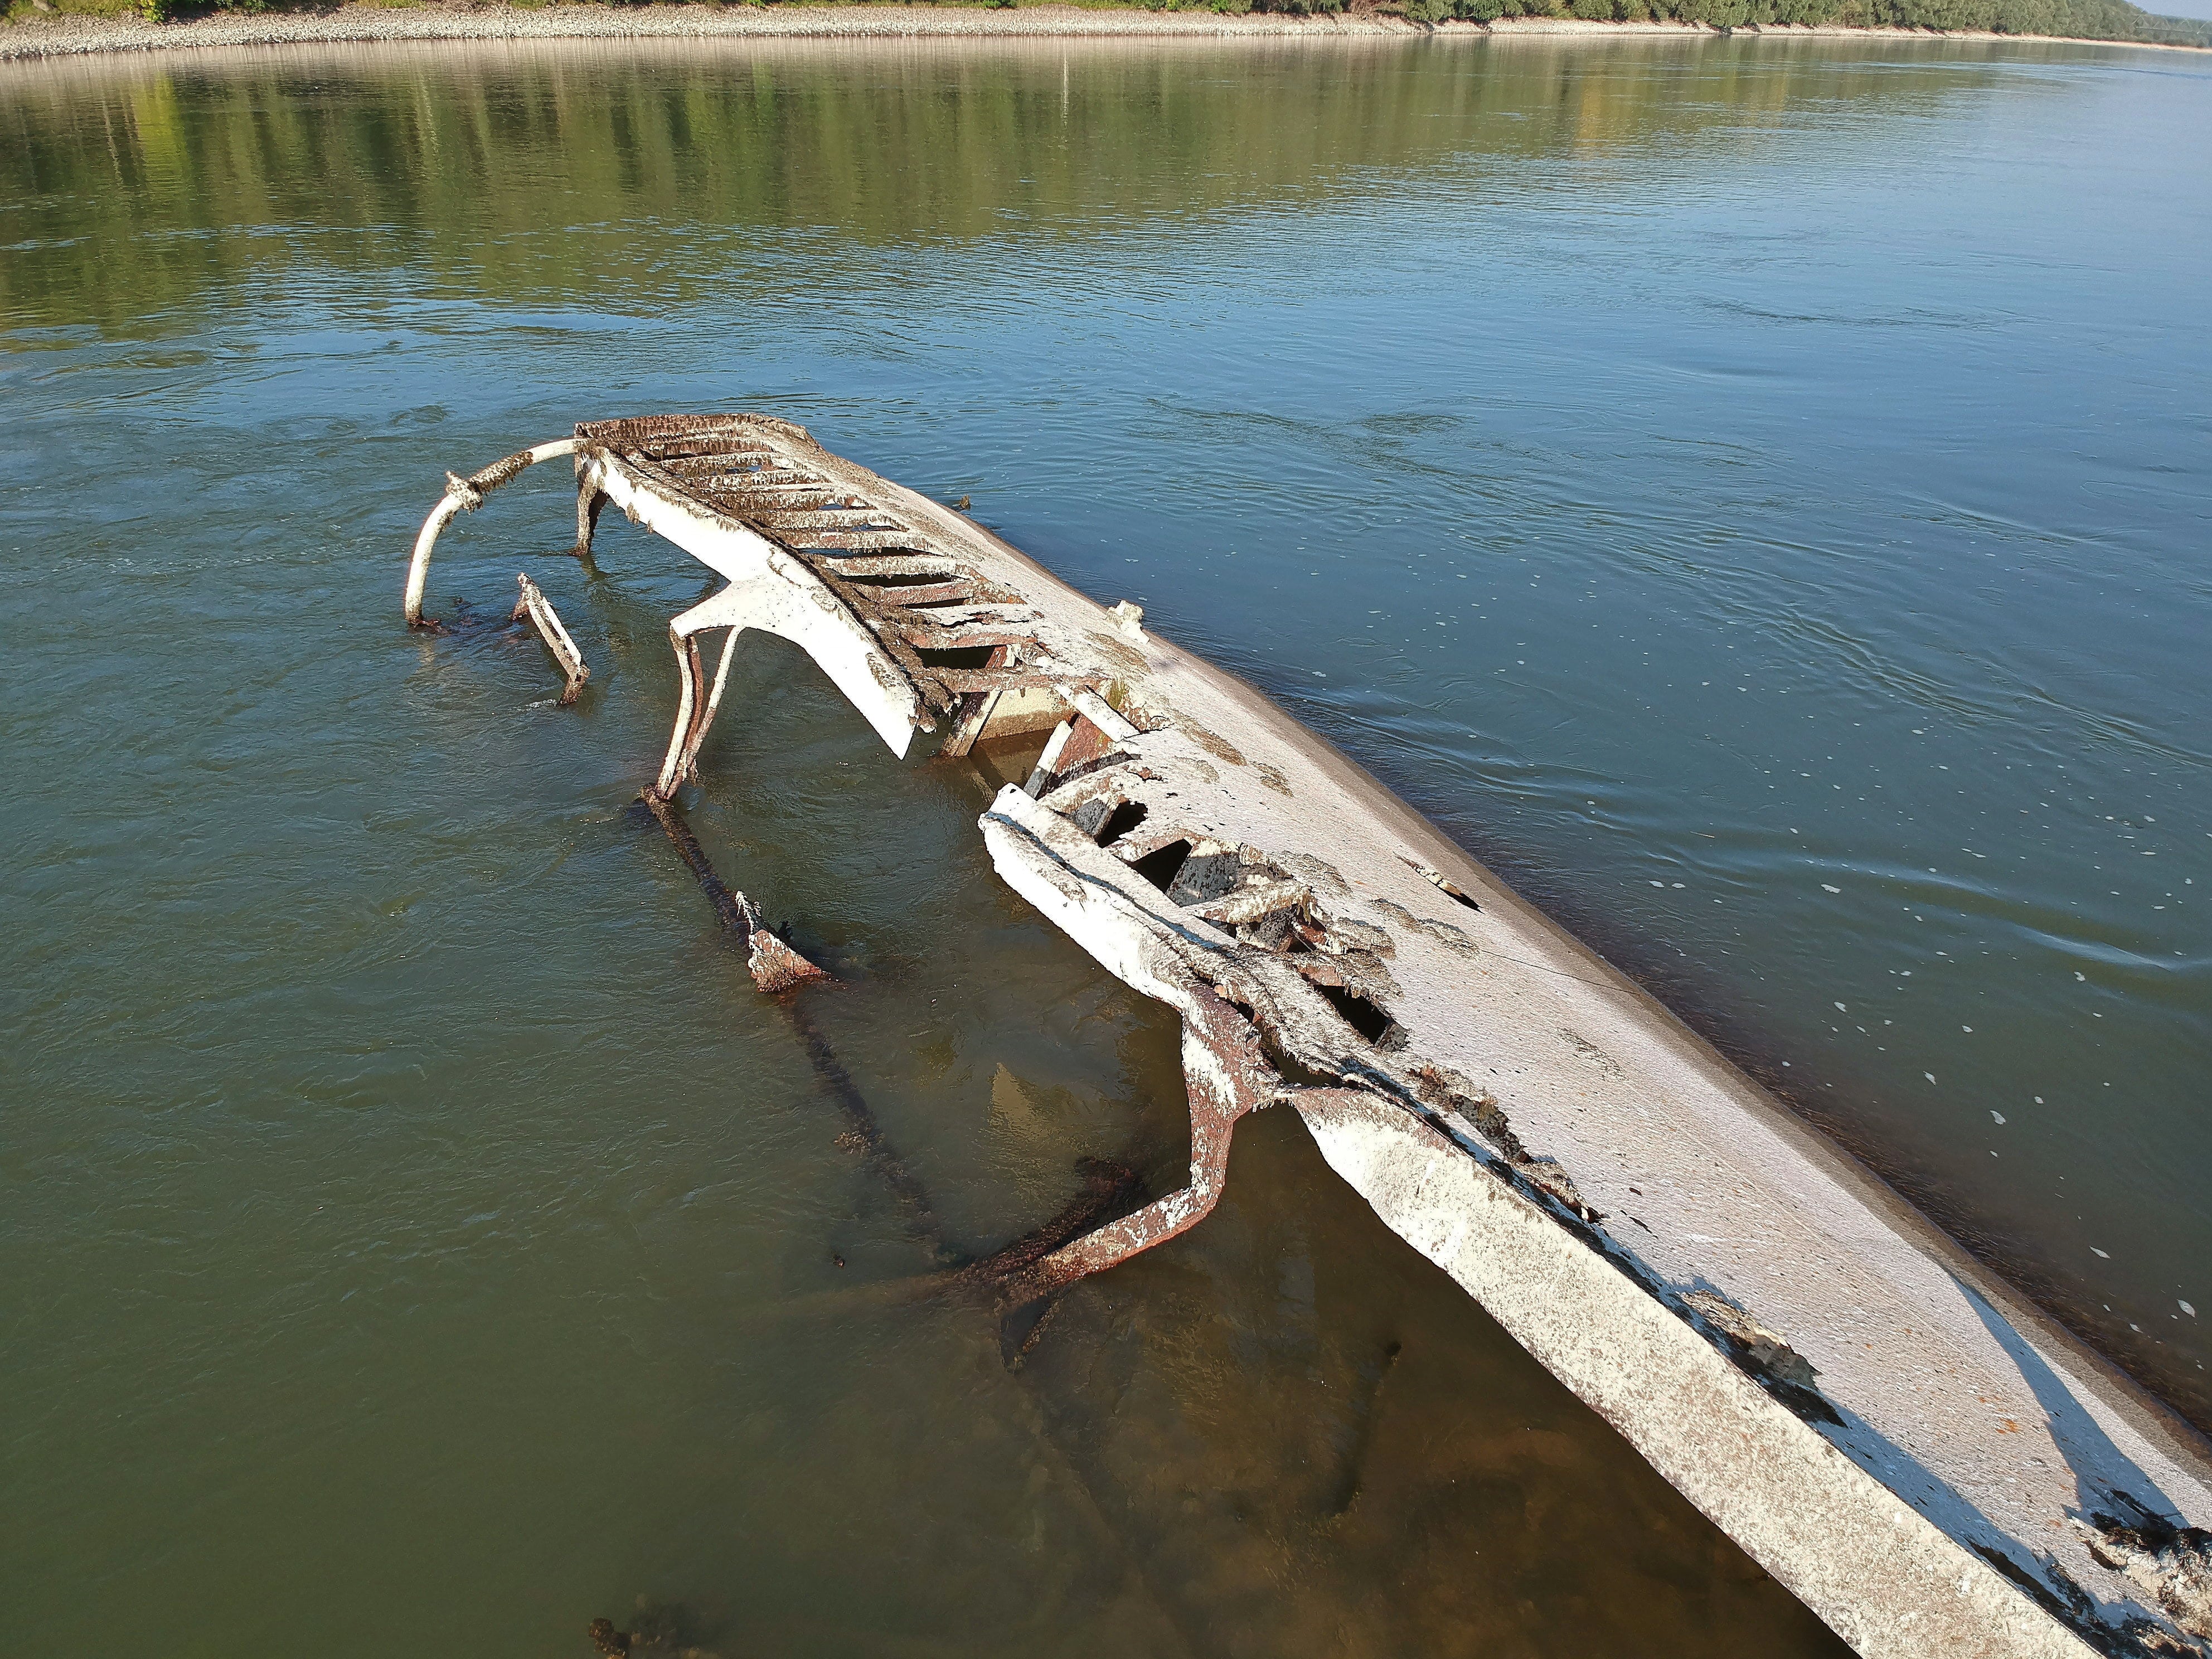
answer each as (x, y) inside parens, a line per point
(1159, 867)
(963, 656)
(1124, 819)
(1362, 1016)
(902, 579)
(1010, 759)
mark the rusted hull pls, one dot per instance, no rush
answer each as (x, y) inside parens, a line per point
(1890, 1435)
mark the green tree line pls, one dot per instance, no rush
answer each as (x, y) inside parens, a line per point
(2090, 19)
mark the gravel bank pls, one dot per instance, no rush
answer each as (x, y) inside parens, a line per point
(72, 35)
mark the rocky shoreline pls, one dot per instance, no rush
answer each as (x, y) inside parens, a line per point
(72, 34)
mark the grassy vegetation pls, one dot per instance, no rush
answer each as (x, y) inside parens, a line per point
(18, 11)
(2092, 19)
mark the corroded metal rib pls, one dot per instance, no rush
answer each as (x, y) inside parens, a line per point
(466, 495)
(1879, 1425)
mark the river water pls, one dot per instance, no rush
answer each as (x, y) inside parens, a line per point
(1754, 493)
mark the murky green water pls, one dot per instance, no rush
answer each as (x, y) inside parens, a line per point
(1755, 494)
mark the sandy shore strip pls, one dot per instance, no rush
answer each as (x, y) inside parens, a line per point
(74, 34)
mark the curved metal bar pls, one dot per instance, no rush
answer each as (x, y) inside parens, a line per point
(1227, 1080)
(466, 495)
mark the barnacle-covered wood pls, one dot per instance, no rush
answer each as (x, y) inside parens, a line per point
(721, 483)
(775, 966)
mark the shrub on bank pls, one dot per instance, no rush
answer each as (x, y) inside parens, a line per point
(2091, 20)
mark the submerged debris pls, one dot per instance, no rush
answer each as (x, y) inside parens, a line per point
(1760, 1347)
(657, 1631)
(534, 605)
(466, 495)
(774, 964)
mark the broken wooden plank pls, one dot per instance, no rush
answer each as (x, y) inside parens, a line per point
(974, 712)
(831, 518)
(890, 564)
(927, 682)
(538, 609)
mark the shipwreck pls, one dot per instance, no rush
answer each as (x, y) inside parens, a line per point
(1923, 1460)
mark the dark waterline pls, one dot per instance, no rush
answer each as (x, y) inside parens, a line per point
(1753, 495)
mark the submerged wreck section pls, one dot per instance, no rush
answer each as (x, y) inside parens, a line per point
(1923, 1461)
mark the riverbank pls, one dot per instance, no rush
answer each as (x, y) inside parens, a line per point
(70, 34)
